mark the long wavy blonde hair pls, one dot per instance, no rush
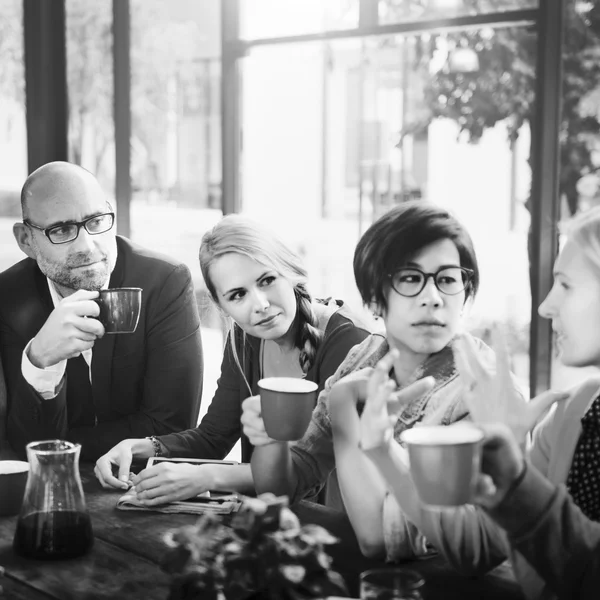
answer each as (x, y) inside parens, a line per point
(240, 235)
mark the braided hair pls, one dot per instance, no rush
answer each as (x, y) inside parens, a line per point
(308, 334)
(240, 235)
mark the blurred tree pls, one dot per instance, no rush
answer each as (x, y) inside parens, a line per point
(502, 88)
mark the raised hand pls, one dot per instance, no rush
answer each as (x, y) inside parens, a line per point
(68, 331)
(384, 403)
(491, 394)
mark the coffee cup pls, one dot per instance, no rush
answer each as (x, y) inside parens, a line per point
(119, 309)
(286, 405)
(13, 478)
(444, 462)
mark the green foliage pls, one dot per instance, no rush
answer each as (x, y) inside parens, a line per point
(263, 553)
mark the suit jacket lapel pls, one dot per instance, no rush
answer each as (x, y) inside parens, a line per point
(102, 355)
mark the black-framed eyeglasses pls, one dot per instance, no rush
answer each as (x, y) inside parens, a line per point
(67, 232)
(411, 281)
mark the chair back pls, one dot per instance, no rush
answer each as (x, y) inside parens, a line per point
(6, 451)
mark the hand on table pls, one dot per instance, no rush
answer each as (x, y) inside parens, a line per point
(253, 424)
(492, 397)
(170, 482)
(501, 464)
(68, 331)
(121, 456)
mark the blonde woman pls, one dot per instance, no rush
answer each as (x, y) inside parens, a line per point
(278, 329)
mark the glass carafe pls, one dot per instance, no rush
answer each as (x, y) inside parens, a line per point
(54, 522)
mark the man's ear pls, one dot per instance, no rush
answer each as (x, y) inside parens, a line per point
(22, 234)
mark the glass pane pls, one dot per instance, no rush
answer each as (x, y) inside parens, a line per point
(176, 163)
(580, 143)
(350, 128)
(396, 11)
(90, 89)
(176, 144)
(13, 131)
(274, 18)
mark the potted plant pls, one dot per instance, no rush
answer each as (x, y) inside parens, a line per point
(262, 553)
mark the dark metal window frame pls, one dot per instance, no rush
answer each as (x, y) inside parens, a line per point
(548, 19)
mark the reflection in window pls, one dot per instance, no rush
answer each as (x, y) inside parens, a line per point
(396, 11)
(90, 88)
(274, 18)
(13, 132)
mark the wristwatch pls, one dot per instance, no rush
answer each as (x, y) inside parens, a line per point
(156, 445)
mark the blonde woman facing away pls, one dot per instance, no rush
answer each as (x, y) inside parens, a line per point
(277, 329)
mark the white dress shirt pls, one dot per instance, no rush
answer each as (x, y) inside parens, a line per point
(46, 381)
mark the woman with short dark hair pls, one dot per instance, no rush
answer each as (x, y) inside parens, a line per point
(416, 268)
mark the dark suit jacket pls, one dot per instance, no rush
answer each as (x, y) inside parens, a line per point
(143, 383)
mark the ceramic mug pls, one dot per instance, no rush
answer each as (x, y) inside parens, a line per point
(119, 309)
(286, 405)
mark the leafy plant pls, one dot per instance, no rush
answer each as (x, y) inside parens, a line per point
(263, 553)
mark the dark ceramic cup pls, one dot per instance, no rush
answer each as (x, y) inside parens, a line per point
(120, 309)
(13, 478)
(286, 404)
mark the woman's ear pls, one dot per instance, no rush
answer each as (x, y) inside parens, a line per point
(375, 309)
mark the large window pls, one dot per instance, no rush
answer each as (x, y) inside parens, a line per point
(175, 143)
(13, 133)
(90, 89)
(336, 133)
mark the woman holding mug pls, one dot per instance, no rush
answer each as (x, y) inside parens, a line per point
(277, 329)
(417, 268)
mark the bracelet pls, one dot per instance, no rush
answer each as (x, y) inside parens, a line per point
(156, 445)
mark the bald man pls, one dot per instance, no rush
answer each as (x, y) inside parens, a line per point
(65, 378)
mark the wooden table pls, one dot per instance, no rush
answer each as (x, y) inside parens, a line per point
(124, 562)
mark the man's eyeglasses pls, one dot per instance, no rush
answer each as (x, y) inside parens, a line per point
(67, 232)
(411, 281)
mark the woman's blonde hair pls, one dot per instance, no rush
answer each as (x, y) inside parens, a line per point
(240, 235)
(584, 231)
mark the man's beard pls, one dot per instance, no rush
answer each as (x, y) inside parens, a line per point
(68, 276)
(92, 279)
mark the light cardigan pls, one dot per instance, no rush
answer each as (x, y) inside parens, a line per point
(554, 443)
